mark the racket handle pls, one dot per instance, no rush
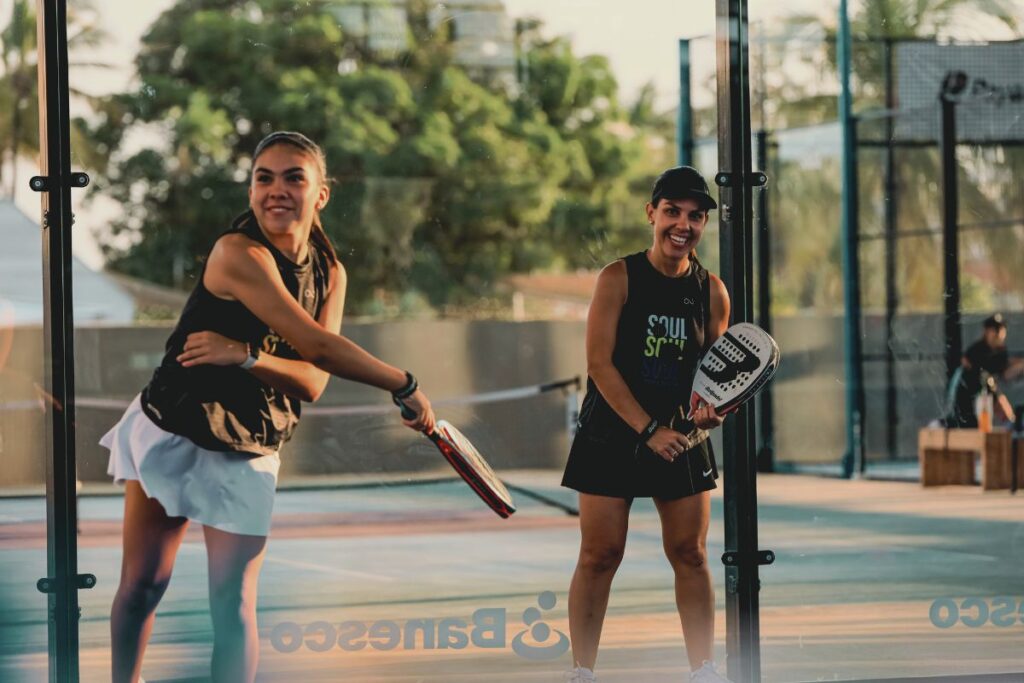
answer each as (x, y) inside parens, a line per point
(697, 436)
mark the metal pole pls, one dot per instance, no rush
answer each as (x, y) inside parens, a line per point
(950, 243)
(684, 120)
(766, 448)
(736, 180)
(54, 183)
(891, 300)
(853, 459)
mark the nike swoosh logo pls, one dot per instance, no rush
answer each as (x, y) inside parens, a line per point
(708, 473)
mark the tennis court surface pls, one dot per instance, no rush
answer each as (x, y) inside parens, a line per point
(423, 583)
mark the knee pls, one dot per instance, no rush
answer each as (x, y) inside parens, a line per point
(230, 602)
(687, 556)
(141, 594)
(601, 560)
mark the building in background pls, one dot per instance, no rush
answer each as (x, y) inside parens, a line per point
(481, 31)
(551, 296)
(97, 298)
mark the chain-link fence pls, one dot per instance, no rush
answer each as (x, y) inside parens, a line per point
(900, 205)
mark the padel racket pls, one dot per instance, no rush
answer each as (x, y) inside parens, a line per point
(467, 461)
(732, 371)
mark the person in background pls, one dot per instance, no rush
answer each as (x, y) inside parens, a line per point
(985, 362)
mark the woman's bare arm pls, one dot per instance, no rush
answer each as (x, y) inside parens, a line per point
(240, 269)
(297, 378)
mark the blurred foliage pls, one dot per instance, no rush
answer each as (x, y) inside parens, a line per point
(19, 85)
(445, 180)
(794, 74)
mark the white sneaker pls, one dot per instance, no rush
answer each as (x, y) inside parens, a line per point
(707, 674)
(580, 674)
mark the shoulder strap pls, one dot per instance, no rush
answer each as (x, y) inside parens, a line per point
(633, 263)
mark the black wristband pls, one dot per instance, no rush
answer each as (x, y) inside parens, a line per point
(411, 385)
(648, 431)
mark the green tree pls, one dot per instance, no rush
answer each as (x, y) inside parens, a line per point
(19, 83)
(443, 183)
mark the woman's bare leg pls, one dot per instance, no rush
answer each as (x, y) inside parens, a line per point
(684, 530)
(603, 524)
(234, 567)
(150, 542)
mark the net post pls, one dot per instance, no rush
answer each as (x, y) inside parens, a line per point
(572, 409)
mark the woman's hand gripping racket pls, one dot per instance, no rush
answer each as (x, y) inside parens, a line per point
(732, 371)
(468, 462)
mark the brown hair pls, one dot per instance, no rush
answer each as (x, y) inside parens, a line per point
(315, 152)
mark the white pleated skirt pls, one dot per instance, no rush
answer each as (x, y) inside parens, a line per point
(229, 491)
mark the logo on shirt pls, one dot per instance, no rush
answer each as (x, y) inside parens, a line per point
(270, 342)
(665, 339)
(664, 331)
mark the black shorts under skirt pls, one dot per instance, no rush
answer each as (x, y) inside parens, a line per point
(609, 466)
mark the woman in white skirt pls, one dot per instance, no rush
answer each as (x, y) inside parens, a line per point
(200, 443)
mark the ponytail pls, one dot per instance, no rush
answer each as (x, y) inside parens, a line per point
(318, 236)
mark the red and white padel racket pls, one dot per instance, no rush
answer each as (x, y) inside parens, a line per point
(467, 461)
(736, 367)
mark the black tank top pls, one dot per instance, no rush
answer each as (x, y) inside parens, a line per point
(226, 408)
(658, 344)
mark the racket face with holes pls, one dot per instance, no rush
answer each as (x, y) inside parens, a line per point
(472, 467)
(736, 367)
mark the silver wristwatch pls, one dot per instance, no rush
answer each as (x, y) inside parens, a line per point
(252, 354)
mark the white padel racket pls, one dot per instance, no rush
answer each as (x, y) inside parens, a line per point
(732, 371)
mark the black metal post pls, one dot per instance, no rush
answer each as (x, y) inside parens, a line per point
(950, 242)
(766, 446)
(54, 183)
(891, 300)
(736, 180)
(684, 119)
(853, 458)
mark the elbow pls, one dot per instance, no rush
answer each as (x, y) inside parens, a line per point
(315, 391)
(307, 391)
(317, 353)
(597, 369)
(305, 395)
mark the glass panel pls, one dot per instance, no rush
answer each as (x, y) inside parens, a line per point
(486, 160)
(23, 625)
(879, 586)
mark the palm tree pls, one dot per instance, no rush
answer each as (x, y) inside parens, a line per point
(19, 91)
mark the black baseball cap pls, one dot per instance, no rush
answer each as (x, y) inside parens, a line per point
(683, 182)
(994, 321)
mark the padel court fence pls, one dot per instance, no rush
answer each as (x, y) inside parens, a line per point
(932, 199)
(492, 392)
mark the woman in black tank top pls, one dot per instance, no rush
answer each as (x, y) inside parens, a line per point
(652, 315)
(257, 336)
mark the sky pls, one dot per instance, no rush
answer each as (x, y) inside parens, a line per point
(640, 38)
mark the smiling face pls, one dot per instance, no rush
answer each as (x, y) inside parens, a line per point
(287, 190)
(678, 226)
